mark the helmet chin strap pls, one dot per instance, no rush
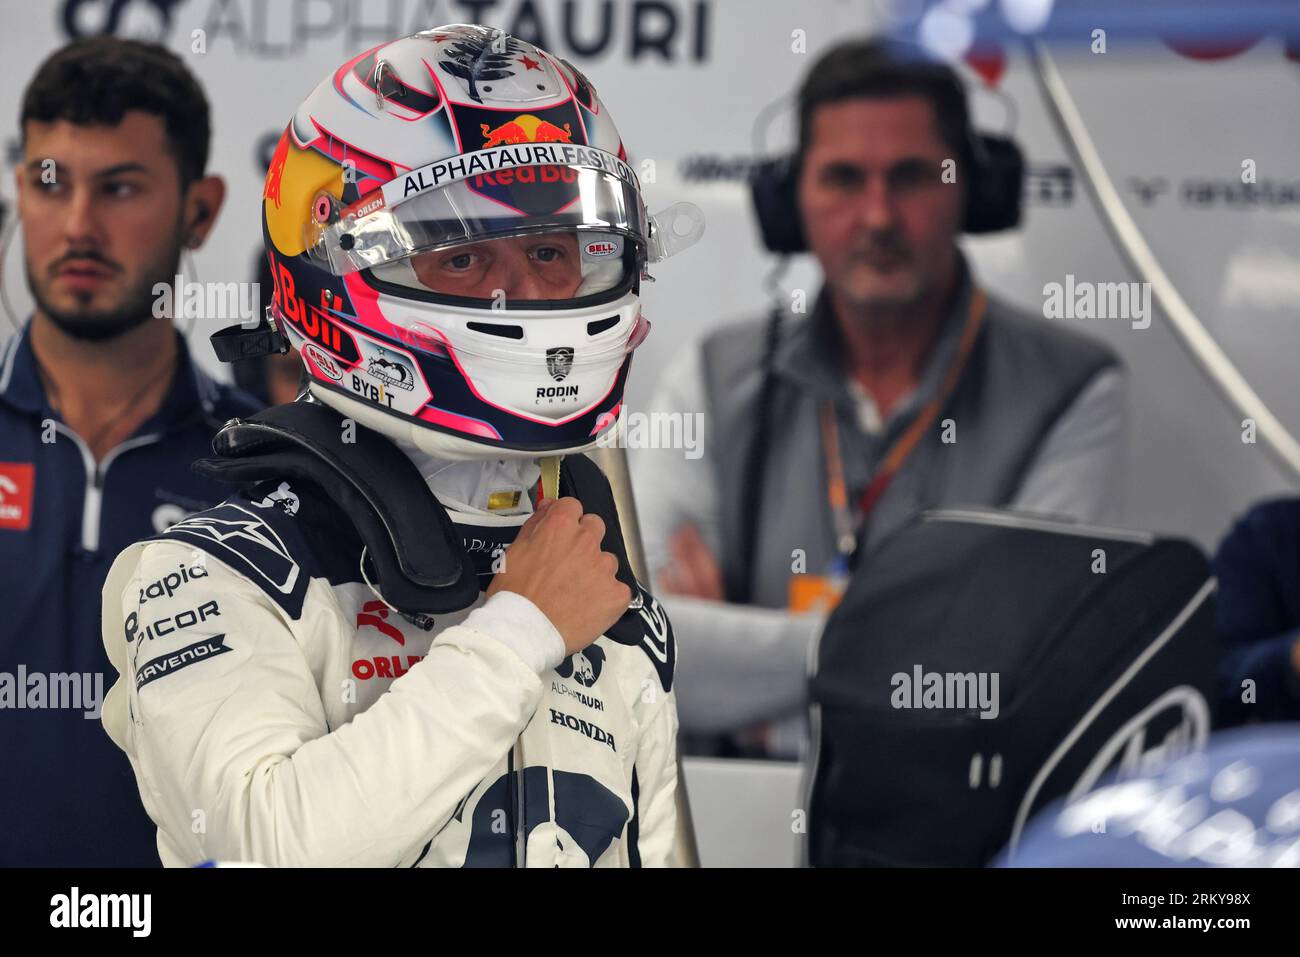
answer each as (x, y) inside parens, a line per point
(550, 476)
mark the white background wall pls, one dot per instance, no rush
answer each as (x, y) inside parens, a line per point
(1154, 114)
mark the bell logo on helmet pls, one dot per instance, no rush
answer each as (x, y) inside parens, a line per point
(559, 362)
(322, 362)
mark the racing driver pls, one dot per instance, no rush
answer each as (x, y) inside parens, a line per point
(411, 635)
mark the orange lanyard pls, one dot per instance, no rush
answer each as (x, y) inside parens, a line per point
(837, 492)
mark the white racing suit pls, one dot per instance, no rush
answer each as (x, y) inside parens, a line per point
(276, 711)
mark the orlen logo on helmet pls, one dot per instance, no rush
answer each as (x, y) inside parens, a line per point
(322, 362)
(601, 247)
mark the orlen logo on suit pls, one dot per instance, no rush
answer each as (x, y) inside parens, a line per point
(390, 666)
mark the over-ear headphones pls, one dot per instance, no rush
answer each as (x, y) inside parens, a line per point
(995, 184)
(993, 166)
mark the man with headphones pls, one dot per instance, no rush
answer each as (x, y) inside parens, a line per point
(102, 411)
(906, 388)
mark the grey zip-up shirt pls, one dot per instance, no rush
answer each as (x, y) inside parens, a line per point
(744, 664)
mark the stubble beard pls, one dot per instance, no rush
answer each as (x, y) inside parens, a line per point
(134, 307)
(877, 309)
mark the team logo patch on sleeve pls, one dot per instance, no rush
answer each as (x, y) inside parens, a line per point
(250, 546)
(164, 665)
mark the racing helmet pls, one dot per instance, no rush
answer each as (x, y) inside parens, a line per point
(457, 241)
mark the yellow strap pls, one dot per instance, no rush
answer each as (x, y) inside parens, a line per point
(550, 476)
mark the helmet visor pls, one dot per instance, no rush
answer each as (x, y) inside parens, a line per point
(555, 266)
(478, 197)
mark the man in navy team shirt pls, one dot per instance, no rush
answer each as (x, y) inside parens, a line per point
(1258, 568)
(102, 410)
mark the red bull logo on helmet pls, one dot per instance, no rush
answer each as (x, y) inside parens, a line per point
(522, 161)
(525, 128)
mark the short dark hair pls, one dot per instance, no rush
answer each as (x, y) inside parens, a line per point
(874, 67)
(96, 80)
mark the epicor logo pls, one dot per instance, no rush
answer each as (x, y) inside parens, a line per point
(169, 624)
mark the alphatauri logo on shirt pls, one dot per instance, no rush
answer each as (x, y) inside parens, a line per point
(583, 666)
(284, 498)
